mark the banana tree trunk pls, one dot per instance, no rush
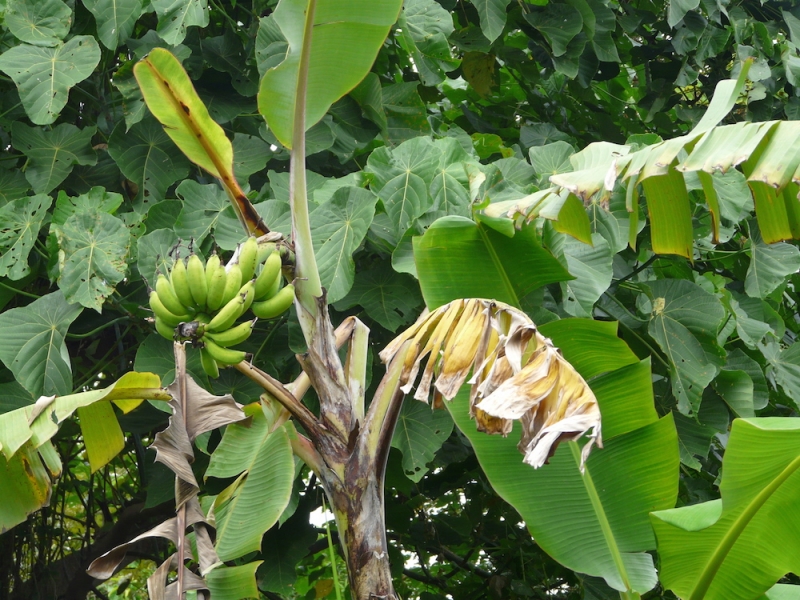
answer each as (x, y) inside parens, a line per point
(359, 510)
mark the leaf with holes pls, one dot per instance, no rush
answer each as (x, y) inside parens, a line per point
(148, 158)
(419, 434)
(44, 76)
(338, 227)
(96, 199)
(174, 16)
(20, 221)
(38, 22)
(95, 247)
(52, 154)
(115, 19)
(33, 345)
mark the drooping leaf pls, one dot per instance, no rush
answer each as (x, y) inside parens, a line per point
(419, 434)
(38, 22)
(560, 505)
(234, 583)
(387, 297)
(147, 157)
(682, 311)
(559, 23)
(95, 247)
(53, 153)
(338, 227)
(254, 504)
(44, 76)
(101, 433)
(26, 484)
(425, 26)
(20, 221)
(33, 344)
(173, 100)
(769, 264)
(740, 545)
(346, 38)
(175, 16)
(115, 19)
(458, 258)
(492, 14)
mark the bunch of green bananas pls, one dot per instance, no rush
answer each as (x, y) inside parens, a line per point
(212, 296)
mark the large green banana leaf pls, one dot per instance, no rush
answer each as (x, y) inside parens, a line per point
(595, 522)
(737, 547)
(337, 56)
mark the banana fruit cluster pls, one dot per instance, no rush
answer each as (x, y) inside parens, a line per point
(207, 300)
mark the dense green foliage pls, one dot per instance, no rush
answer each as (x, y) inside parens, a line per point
(94, 196)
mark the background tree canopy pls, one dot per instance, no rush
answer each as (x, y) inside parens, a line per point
(470, 104)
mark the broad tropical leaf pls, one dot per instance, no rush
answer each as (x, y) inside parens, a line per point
(33, 344)
(575, 511)
(38, 22)
(338, 228)
(44, 76)
(175, 16)
(740, 545)
(253, 503)
(53, 153)
(457, 257)
(115, 19)
(346, 38)
(20, 221)
(95, 247)
(419, 435)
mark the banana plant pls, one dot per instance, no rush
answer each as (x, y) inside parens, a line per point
(347, 445)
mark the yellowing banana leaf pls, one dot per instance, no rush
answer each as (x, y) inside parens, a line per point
(739, 546)
(767, 153)
(26, 430)
(172, 99)
(332, 46)
(595, 522)
(458, 258)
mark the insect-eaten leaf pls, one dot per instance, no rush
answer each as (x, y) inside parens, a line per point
(518, 374)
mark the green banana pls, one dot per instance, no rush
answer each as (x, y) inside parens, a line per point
(180, 283)
(167, 296)
(248, 257)
(227, 315)
(196, 274)
(233, 336)
(211, 266)
(216, 286)
(264, 250)
(164, 314)
(209, 364)
(233, 283)
(164, 330)
(249, 292)
(224, 356)
(275, 306)
(271, 272)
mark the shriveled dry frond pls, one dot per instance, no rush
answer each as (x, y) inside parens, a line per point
(517, 374)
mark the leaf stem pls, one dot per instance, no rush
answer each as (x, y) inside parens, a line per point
(308, 283)
(80, 336)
